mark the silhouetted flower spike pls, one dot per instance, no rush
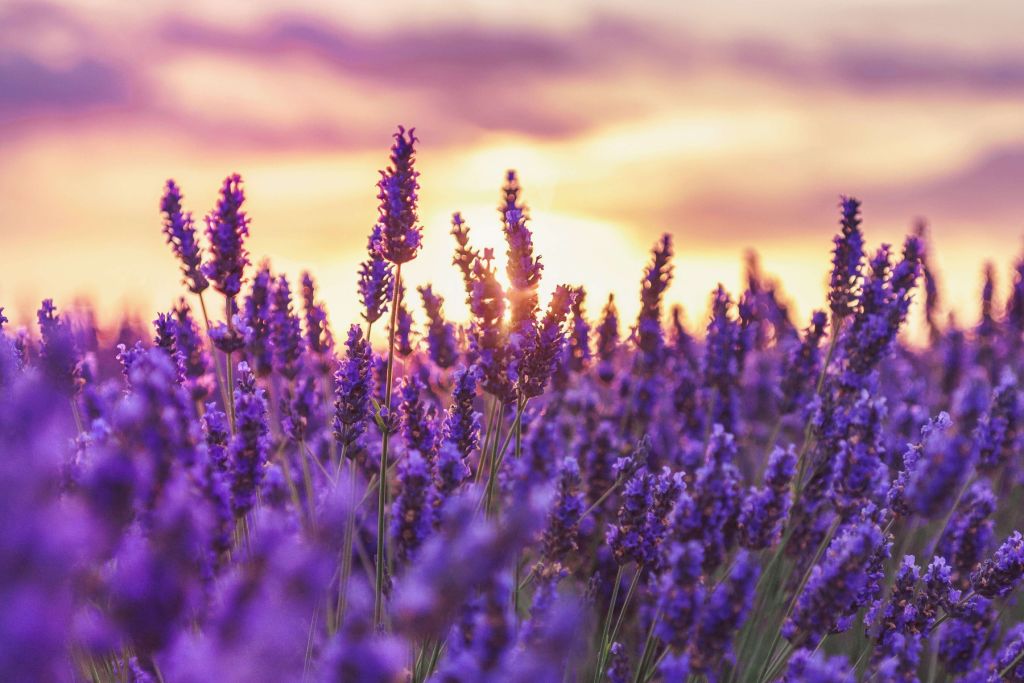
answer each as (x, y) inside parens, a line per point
(847, 259)
(181, 235)
(441, 342)
(257, 314)
(607, 340)
(1001, 573)
(191, 356)
(403, 327)
(353, 389)
(1015, 304)
(58, 354)
(285, 330)
(226, 229)
(465, 256)
(524, 269)
(400, 236)
(376, 283)
(488, 338)
(802, 366)
(318, 333)
(657, 276)
(540, 354)
(987, 326)
(579, 333)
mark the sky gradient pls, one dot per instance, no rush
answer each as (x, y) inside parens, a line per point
(729, 125)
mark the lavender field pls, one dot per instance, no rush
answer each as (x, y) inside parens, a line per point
(249, 490)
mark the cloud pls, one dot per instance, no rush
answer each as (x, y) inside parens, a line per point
(28, 86)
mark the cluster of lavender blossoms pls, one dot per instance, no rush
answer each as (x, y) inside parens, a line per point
(241, 493)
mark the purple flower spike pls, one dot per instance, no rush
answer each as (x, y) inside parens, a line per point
(251, 443)
(764, 510)
(400, 236)
(353, 389)
(257, 317)
(1001, 573)
(441, 342)
(376, 284)
(412, 513)
(560, 536)
(226, 229)
(181, 235)
(847, 260)
(285, 331)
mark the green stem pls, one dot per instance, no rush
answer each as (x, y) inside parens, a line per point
(382, 480)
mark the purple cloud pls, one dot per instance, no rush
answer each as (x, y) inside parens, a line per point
(28, 86)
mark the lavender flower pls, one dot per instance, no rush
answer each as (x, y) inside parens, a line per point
(802, 366)
(440, 334)
(376, 281)
(418, 418)
(681, 595)
(657, 276)
(846, 260)
(226, 229)
(969, 532)
(962, 639)
(1001, 573)
(524, 270)
(607, 340)
(400, 237)
(561, 534)
(58, 353)
(996, 435)
(250, 444)
(257, 317)
(353, 389)
(181, 235)
(318, 334)
(412, 512)
(836, 584)
(462, 422)
(285, 331)
(807, 666)
(403, 327)
(723, 614)
(764, 510)
(191, 356)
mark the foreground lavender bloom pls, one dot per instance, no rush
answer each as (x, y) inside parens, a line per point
(285, 331)
(226, 229)
(353, 389)
(1010, 654)
(723, 614)
(969, 533)
(935, 473)
(1001, 573)
(896, 623)
(412, 512)
(647, 501)
(403, 326)
(835, 585)
(400, 237)
(764, 510)
(250, 444)
(487, 335)
(181, 235)
(846, 260)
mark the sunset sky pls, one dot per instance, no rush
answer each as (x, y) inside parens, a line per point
(730, 125)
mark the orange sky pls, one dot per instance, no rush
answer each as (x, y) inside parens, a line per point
(730, 125)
